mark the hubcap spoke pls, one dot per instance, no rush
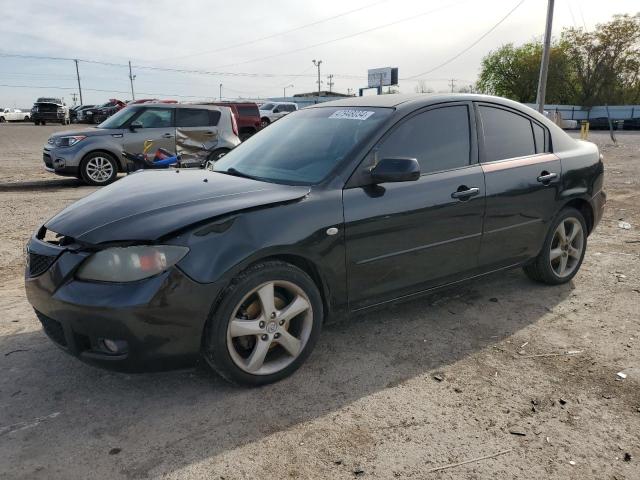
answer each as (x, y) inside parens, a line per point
(290, 343)
(294, 309)
(574, 252)
(575, 230)
(555, 253)
(563, 264)
(240, 328)
(562, 233)
(256, 359)
(267, 299)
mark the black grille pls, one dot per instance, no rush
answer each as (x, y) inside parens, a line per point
(47, 160)
(38, 264)
(53, 329)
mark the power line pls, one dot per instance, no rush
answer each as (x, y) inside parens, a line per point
(273, 35)
(333, 40)
(56, 87)
(465, 50)
(169, 69)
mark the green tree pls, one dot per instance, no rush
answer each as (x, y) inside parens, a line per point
(512, 72)
(585, 68)
(606, 61)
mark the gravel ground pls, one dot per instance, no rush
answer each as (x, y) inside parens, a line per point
(480, 370)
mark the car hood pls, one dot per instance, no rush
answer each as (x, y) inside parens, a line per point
(87, 132)
(148, 205)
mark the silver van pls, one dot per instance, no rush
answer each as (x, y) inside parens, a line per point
(199, 133)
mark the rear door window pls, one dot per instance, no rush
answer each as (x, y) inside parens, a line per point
(506, 134)
(439, 139)
(192, 117)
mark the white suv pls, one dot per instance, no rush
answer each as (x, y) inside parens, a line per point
(272, 111)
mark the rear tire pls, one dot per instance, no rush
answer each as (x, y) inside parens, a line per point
(2, 120)
(265, 325)
(98, 169)
(563, 250)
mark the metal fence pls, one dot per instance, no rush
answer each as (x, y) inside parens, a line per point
(576, 112)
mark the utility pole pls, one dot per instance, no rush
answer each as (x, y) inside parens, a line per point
(317, 64)
(284, 90)
(220, 92)
(544, 64)
(79, 86)
(330, 82)
(452, 83)
(131, 79)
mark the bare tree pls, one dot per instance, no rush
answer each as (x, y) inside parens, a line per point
(422, 87)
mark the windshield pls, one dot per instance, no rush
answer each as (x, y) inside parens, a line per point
(266, 106)
(304, 147)
(118, 120)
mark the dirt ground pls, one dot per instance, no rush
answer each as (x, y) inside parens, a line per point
(481, 370)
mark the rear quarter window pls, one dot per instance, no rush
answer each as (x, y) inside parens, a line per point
(248, 111)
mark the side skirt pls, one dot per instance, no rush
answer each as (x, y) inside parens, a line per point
(411, 296)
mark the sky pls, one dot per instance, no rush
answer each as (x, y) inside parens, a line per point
(256, 48)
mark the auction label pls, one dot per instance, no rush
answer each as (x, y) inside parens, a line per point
(351, 114)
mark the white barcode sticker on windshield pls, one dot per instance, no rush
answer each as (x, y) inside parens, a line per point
(351, 114)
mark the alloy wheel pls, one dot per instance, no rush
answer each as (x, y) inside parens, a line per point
(99, 169)
(269, 328)
(566, 247)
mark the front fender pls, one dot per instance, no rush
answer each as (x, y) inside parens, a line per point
(223, 248)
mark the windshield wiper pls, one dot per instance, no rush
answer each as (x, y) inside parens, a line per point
(236, 173)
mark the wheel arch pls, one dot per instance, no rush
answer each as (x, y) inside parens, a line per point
(310, 268)
(117, 158)
(584, 207)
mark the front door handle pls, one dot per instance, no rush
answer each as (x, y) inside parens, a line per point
(546, 177)
(464, 193)
(209, 133)
(167, 135)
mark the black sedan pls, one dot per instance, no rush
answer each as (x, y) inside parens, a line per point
(334, 209)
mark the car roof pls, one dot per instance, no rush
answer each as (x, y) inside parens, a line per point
(414, 100)
(180, 105)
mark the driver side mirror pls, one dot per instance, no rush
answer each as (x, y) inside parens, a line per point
(135, 125)
(400, 169)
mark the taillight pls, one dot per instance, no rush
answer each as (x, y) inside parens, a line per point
(234, 124)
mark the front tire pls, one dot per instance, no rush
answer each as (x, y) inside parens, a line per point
(264, 122)
(563, 250)
(265, 326)
(98, 169)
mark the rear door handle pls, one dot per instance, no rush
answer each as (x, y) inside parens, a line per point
(465, 192)
(167, 135)
(209, 133)
(546, 177)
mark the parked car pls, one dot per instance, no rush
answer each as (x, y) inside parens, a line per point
(631, 124)
(270, 112)
(247, 116)
(102, 112)
(78, 114)
(200, 133)
(602, 123)
(339, 208)
(13, 115)
(48, 109)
